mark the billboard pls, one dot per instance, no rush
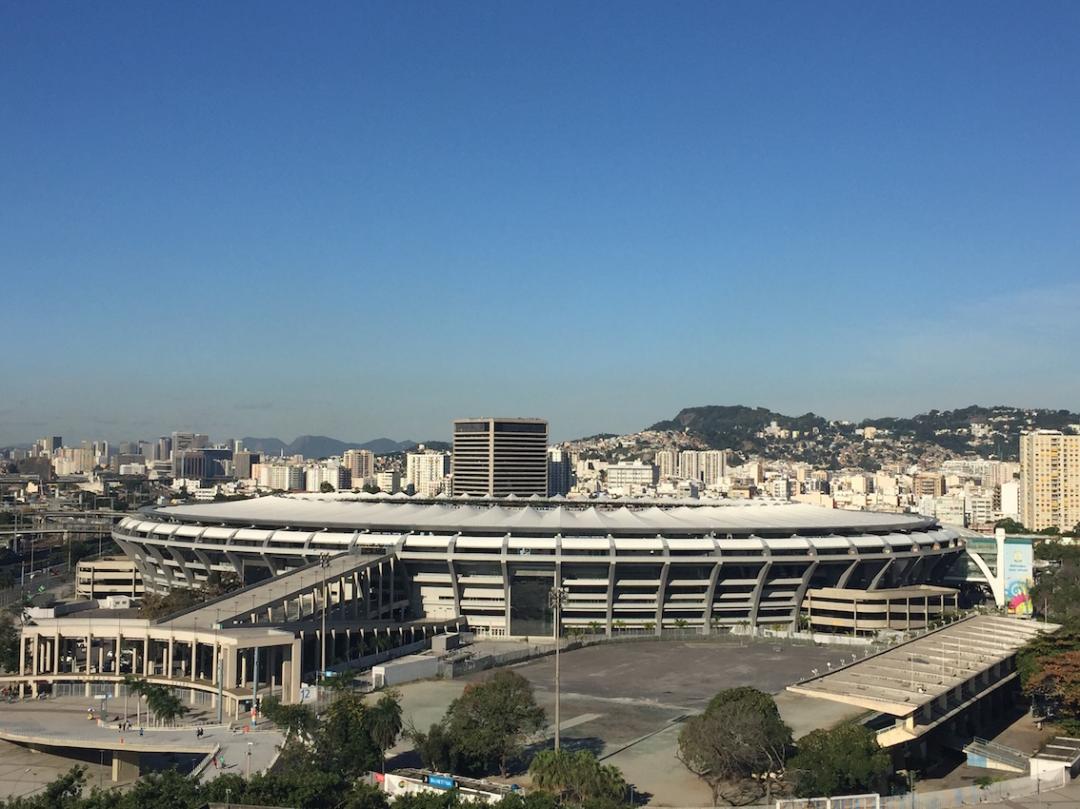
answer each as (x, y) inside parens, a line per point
(1018, 566)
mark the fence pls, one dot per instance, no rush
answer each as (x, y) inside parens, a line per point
(968, 796)
(868, 801)
(940, 799)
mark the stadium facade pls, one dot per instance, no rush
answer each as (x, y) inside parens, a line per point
(494, 562)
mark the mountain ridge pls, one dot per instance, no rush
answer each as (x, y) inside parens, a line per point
(992, 431)
(322, 446)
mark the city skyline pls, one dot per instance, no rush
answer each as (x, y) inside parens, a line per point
(71, 438)
(357, 223)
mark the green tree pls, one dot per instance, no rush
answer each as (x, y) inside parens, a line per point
(160, 699)
(384, 722)
(1011, 526)
(165, 790)
(738, 746)
(326, 487)
(536, 799)
(1049, 669)
(154, 605)
(435, 747)
(63, 792)
(343, 742)
(843, 760)
(449, 799)
(364, 796)
(9, 643)
(1056, 593)
(577, 777)
(489, 723)
(294, 720)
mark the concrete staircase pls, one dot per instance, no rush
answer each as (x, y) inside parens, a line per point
(994, 756)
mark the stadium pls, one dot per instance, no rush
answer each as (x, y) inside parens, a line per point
(494, 562)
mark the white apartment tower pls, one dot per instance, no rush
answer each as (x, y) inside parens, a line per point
(667, 461)
(713, 466)
(690, 464)
(496, 457)
(426, 471)
(1049, 480)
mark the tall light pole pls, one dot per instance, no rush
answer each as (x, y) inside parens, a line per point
(324, 561)
(557, 599)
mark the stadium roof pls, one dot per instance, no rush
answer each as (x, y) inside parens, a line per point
(517, 515)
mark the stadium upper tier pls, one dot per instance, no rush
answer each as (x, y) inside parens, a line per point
(625, 562)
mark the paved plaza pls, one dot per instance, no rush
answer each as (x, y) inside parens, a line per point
(71, 739)
(627, 701)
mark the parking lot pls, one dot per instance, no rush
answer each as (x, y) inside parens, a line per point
(627, 701)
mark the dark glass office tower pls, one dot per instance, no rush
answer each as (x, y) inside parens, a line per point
(500, 457)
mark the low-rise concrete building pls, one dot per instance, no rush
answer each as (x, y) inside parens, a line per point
(111, 576)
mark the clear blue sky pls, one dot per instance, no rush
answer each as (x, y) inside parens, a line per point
(366, 219)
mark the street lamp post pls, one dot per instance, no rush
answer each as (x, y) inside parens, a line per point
(557, 599)
(324, 561)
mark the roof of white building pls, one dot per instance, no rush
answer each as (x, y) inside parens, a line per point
(358, 512)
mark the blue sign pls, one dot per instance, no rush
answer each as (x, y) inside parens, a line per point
(441, 781)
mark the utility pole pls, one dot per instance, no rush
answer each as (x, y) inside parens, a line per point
(324, 561)
(557, 598)
(220, 706)
(220, 662)
(254, 683)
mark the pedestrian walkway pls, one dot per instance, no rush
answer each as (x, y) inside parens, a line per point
(62, 723)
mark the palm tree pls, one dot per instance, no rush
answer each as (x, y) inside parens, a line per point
(550, 771)
(164, 704)
(384, 722)
(577, 777)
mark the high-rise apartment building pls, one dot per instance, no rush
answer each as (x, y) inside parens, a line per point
(667, 461)
(279, 476)
(426, 472)
(333, 472)
(1049, 480)
(243, 461)
(361, 463)
(928, 484)
(389, 482)
(713, 466)
(690, 464)
(499, 457)
(560, 472)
